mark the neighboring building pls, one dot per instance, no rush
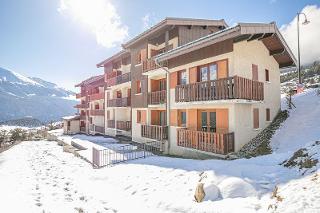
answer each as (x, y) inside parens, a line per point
(71, 124)
(220, 85)
(91, 107)
(117, 71)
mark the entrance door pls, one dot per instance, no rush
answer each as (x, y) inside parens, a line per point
(208, 121)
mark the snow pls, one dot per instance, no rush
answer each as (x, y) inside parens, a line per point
(26, 80)
(70, 97)
(39, 177)
(70, 117)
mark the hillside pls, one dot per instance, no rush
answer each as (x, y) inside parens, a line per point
(22, 96)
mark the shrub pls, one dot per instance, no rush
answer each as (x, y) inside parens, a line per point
(3, 136)
(18, 134)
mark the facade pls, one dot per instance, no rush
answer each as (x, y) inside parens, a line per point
(91, 107)
(198, 86)
(71, 124)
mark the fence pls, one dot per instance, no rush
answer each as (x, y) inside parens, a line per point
(118, 154)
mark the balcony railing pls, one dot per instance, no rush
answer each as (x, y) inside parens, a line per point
(150, 64)
(124, 125)
(154, 132)
(97, 96)
(120, 102)
(111, 124)
(227, 88)
(120, 79)
(98, 129)
(158, 97)
(84, 106)
(219, 143)
(97, 112)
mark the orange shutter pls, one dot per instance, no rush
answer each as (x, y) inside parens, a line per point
(155, 120)
(192, 119)
(155, 85)
(222, 120)
(255, 118)
(174, 117)
(222, 69)
(143, 117)
(193, 75)
(173, 80)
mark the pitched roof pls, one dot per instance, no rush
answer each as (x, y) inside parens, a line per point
(174, 21)
(268, 33)
(91, 80)
(115, 56)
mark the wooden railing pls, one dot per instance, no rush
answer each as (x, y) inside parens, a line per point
(111, 124)
(83, 117)
(158, 97)
(219, 143)
(86, 105)
(97, 96)
(124, 125)
(154, 132)
(227, 88)
(120, 79)
(120, 102)
(150, 64)
(97, 112)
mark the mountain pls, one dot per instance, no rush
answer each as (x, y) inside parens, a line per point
(33, 97)
(25, 122)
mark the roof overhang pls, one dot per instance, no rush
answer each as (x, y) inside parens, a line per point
(267, 33)
(114, 57)
(93, 81)
(169, 21)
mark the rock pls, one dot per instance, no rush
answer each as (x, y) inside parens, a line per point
(199, 193)
(212, 192)
(68, 148)
(236, 187)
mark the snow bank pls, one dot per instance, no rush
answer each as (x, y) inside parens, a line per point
(236, 187)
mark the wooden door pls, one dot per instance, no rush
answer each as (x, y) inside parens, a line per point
(222, 69)
(208, 121)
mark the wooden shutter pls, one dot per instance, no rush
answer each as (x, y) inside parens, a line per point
(255, 72)
(143, 116)
(155, 117)
(255, 118)
(143, 53)
(267, 114)
(193, 75)
(173, 80)
(173, 117)
(222, 120)
(192, 119)
(222, 69)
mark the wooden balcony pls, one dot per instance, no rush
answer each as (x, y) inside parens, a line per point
(150, 64)
(218, 143)
(158, 97)
(97, 96)
(82, 106)
(120, 79)
(97, 112)
(223, 89)
(111, 124)
(154, 132)
(124, 125)
(120, 102)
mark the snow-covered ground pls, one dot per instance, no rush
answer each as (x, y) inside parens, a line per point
(39, 177)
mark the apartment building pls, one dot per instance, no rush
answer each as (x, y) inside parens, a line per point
(117, 73)
(91, 107)
(196, 85)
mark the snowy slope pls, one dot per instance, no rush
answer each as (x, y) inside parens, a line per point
(22, 96)
(41, 178)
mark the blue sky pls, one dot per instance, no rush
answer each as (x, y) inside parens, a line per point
(39, 39)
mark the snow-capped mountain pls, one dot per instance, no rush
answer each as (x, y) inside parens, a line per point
(22, 96)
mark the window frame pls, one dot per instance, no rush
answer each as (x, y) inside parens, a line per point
(268, 114)
(208, 71)
(138, 87)
(267, 75)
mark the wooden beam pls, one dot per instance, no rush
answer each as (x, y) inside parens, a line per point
(277, 52)
(241, 38)
(266, 35)
(255, 36)
(289, 64)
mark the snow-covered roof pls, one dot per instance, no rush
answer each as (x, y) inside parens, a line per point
(71, 117)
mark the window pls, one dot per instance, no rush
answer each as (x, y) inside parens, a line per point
(183, 118)
(96, 106)
(255, 118)
(119, 94)
(182, 77)
(267, 114)
(138, 87)
(162, 84)
(138, 116)
(162, 118)
(267, 75)
(139, 58)
(69, 124)
(208, 72)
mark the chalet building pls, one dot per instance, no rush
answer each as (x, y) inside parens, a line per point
(117, 73)
(196, 85)
(91, 107)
